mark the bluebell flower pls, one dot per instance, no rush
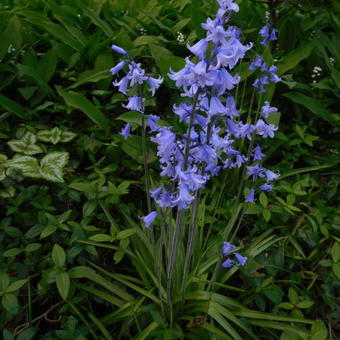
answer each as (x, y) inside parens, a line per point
(183, 111)
(217, 34)
(228, 263)
(255, 171)
(165, 199)
(231, 107)
(181, 77)
(149, 219)
(257, 154)
(266, 109)
(152, 122)
(135, 103)
(227, 248)
(242, 260)
(231, 52)
(119, 49)
(267, 34)
(250, 198)
(273, 76)
(265, 130)
(114, 70)
(270, 175)
(199, 48)
(257, 63)
(126, 131)
(210, 25)
(183, 197)
(155, 193)
(223, 80)
(266, 187)
(154, 84)
(122, 85)
(228, 5)
(216, 107)
(136, 74)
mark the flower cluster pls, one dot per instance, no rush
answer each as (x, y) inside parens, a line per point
(228, 262)
(267, 34)
(213, 123)
(268, 74)
(134, 78)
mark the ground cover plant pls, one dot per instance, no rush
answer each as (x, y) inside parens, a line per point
(76, 259)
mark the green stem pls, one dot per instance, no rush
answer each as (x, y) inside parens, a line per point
(180, 214)
(191, 241)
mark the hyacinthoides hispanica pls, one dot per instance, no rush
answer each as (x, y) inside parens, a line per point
(217, 138)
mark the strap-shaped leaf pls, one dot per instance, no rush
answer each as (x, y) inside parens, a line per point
(51, 166)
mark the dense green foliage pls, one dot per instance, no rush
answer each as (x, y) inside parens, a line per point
(75, 263)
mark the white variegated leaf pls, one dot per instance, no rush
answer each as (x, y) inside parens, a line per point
(44, 135)
(3, 159)
(17, 145)
(51, 166)
(29, 138)
(29, 166)
(55, 135)
(32, 149)
(67, 136)
(56, 158)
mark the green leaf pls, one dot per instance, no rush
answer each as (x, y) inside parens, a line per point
(131, 117)
(305, 304)
(84, 187)
(311, 104)
(32, 247)
(63, 284)
(11, 106)
(125, 233)
(79, 272)
(336, 269)
(15, 285)
(293, 297)
(307, 169)
(286, 305)
(144, 334)
(89, 207)
(54, 29)
(58, 256)
(336, 252)
(266, 214)
(274, 294)
(48, 230)
(10, 303)
(7, 335)
(319, 331)
(51, 166)
(28, 165)
(80, 102)
(133, 147)
(101, 238)
(12, 252)
(90, 76)
(4, 281)
(263, 199)
(96, 20)
(31, 72)
(294, 57)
